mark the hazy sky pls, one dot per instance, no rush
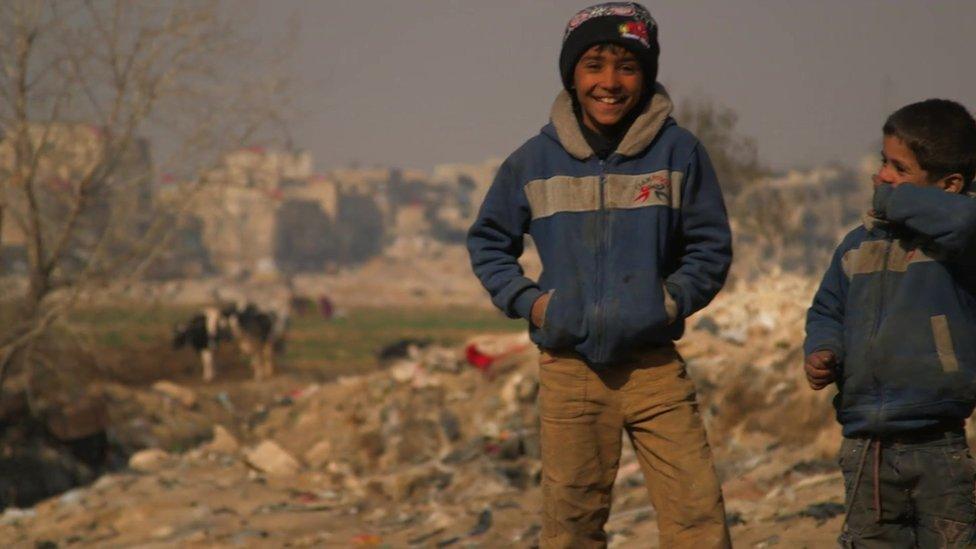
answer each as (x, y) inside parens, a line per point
(417, 83)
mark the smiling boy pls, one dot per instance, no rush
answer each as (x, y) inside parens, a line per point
(628, 219)
(894, 324)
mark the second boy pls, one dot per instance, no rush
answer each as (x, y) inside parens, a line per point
(894, 323)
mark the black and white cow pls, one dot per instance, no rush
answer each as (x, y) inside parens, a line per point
(258, 335)
(203, 332)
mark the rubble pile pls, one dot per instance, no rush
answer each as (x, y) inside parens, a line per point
(440, 448)
(745, 353)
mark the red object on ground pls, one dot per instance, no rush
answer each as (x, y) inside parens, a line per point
(477, 358)
(367, 539)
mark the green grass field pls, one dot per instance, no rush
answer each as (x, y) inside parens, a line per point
(319, 348)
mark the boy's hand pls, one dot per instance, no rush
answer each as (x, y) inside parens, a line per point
(539, 309)
(821, 369)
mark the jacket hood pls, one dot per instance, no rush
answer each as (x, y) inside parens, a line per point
(640, 134)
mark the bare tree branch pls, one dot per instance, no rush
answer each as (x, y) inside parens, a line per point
(83, 200)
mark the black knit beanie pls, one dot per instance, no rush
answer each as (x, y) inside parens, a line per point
(628, 24)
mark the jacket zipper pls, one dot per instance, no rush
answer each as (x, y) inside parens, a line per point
(601, 251)
(879, 314)
(881, 299)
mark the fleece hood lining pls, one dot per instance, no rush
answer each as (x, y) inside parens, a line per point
(640, 134)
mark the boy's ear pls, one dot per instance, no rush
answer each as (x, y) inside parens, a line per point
(952, 183)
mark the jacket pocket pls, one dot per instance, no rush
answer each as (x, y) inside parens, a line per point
(559, 322)
(943, 344)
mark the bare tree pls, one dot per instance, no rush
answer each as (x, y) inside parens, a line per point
(84, 87)
(734, 156)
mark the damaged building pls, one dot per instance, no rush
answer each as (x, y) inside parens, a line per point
(264, 212)
(76, 162)
(260, 213)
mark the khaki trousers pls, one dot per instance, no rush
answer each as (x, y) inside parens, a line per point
(583, 413)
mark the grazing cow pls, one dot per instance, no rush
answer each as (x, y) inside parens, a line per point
(202, 333)
(258, 334)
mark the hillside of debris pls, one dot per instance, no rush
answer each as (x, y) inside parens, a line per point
(439, 447)
(434, 445)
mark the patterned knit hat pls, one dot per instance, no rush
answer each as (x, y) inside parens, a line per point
(628, 24)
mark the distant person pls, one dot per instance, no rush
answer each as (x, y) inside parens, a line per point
(894, 324)
(625, 210)
(326, 307)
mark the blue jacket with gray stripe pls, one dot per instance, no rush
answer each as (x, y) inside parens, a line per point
(630, 246)
(898, 308)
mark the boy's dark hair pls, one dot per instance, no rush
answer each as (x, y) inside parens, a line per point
(942, 135)
(615, 49)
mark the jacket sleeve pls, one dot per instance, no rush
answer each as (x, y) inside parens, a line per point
(825, 317)
(947, 220)
(705, 242)
(495, 242)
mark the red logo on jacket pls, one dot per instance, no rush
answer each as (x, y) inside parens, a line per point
(660, 185)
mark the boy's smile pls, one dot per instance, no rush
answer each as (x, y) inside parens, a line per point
(608, 82)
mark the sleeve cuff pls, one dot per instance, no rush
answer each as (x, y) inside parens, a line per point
(523, 303)
(882, 195)
(837, 350)
(672, 301)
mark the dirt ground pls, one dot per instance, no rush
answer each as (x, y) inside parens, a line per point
(439, 448)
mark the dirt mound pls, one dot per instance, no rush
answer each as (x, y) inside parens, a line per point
(441, 448)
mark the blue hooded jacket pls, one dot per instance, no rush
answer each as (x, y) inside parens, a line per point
(630, 246)
(897, 307)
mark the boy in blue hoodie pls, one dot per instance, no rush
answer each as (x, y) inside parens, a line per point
(628, 218)
(894, 324)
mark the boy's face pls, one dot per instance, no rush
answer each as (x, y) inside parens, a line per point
(608, 82)
(899, 165)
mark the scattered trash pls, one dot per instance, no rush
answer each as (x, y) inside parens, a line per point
(270, 458)
(813, 467)
(823, 511)
(224, 399)
(483, 524)
(150, 460)
(400, 349)
(13, 514)
(530, 534)
(448, 542)
(319, 454)
(222, 442)
(367, 540)
(186, 397)
(441, 433)
(477, 358)
(707, 324)
(450, 425)
(424, 537)
(734, 518)
(304, 392)
(72, 497)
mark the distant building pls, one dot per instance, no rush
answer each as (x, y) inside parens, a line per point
(117, 187)
(260, 212)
